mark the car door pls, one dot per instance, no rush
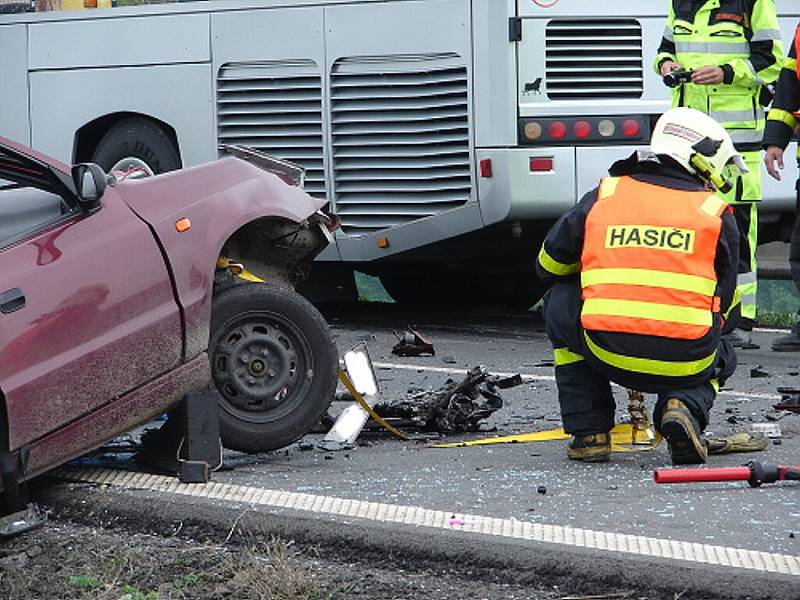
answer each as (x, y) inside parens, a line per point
(87, 311)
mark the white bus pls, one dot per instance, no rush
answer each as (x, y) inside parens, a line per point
(447, 135)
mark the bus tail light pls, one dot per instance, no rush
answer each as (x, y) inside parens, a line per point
(485, 167)
(631, 128)
(557, 130)
(584, 131)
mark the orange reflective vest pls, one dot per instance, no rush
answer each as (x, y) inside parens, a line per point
(797, 50)
(647, 265)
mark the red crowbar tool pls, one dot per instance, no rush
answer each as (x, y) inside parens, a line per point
(754, 473)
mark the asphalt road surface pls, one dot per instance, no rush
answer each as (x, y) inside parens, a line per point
(523, 504)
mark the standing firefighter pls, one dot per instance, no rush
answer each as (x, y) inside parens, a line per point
(782, 122)
(734, 51)
(645, 274)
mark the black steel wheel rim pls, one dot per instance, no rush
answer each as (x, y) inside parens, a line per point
(262, 365)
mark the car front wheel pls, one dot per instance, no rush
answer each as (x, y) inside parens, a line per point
(274, 364)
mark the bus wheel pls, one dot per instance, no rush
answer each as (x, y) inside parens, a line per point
(137, 145)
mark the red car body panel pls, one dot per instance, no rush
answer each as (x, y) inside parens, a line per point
(136, 407)
(218, 198)
(117, 302)
(96, 323)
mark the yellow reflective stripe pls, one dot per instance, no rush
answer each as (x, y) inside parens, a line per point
(608, 185)
(713, 205)
(555, 267)
(737, 299)
(790, 63)
(787, 118)
(563, 356)
(650, 366)
(714, 384)
(636, 309)
(650, 277)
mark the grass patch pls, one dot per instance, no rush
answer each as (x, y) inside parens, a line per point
(778, 303)
(84, 581)
(777, 320)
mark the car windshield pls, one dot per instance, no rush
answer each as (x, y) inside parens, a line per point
(18, 171)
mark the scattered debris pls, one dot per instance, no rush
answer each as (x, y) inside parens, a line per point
(449, 360)
(790, 399)
(758, 372)
(412, 343)
(456, 406)
(737, 442)
(19, 522)
(770, 430)
(541, 490)
(454, 520)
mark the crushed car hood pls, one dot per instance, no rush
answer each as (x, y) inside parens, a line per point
(229, 180)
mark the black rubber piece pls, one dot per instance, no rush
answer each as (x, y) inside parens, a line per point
(278, 320)
(140, 138)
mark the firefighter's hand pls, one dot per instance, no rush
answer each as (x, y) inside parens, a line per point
(774, 154)
(668, 66)
(707, 75)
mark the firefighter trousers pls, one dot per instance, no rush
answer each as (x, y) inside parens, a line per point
(794, 243)
(584, 383)
(744, 198)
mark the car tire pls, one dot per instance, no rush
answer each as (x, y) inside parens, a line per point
(274, 365)
(138, 139)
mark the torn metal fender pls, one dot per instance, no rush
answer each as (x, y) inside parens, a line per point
(228, 201)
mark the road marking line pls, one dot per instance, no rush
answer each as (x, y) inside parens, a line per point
(531, 377)
(436, 519)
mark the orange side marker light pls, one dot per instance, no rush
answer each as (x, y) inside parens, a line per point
(182, 225)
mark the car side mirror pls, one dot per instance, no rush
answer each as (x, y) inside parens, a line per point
(90, 183)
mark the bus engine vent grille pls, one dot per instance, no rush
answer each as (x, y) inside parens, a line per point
(275, 107)
(594, 59)
(400, 138)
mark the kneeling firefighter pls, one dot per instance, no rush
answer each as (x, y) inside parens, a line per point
(645, 277)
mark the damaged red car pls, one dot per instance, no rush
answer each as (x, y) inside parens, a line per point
(119, 295)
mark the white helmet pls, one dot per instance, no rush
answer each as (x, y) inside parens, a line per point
(700, 145)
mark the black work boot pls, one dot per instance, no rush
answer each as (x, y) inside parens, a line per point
(680, 429)
(595, 447)
(789, 342)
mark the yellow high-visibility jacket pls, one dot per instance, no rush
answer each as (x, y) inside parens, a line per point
(741, 37)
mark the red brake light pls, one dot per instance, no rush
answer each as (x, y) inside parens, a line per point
(582, 129)
(557, 130)
(631, 127)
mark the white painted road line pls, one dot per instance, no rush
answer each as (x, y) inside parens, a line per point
(687, 552)
(532, 377)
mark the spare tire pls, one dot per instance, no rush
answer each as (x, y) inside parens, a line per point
(135, 140)
(274, 365)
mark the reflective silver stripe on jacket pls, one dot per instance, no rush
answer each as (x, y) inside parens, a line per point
(746, 278)
(750, 66)
(748, 300)
(766, 34)
(729, 116)
(668, 35)
(713, 47)
(746, 136)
